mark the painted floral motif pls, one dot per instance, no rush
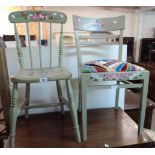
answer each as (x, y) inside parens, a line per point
(37, 16)
(115, 76)
(95, 25)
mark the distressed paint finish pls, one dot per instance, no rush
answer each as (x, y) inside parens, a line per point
(41, 74)
(96, 31)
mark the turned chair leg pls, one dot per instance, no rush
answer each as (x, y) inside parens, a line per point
(60, 95)
(73, 110)
(27, 97)
(13, 114)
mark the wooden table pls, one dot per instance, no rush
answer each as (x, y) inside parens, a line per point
(150, 66)
(106, 128)
(132, 108)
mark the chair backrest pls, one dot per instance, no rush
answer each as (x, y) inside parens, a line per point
(98, 31)
(48, 17)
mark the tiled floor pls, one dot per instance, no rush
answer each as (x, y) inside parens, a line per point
(135, 98)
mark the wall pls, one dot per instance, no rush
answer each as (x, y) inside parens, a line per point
(132, 22)
(148, 25)
(94, 12)
(7, 27)
(46, 92)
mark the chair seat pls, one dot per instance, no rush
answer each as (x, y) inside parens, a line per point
(109, 65)
(40, 75)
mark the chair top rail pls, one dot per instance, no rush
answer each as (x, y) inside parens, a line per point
(98, 24)
(37, 16)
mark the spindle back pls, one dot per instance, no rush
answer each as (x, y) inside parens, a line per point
(48, 17)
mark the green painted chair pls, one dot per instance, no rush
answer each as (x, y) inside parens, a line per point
(40, 74)
(94, 32)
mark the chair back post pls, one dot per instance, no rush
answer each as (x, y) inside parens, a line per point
(50, 40)
(78, 49)
(120, 45)
(26, 17)
(18, 47)
(29, 44)
(61, 44)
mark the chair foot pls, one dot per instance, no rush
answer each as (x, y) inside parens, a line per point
(12, 141)
(78, 136)
(143, 102)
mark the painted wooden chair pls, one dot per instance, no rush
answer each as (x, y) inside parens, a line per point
(38, 74)
(90, 32)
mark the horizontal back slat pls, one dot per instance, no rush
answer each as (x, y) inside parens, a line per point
(99, 24)
(37, 16)
(98, 36)
(98, 43)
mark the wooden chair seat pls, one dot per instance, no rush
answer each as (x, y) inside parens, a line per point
(38, 75)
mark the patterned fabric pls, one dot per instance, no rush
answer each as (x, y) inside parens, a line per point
(115, 76)
(109, 65)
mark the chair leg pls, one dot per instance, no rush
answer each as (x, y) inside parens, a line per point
(143, 102)
(27, 97)
(60, 95)
(84, 109)
(73, 110)
(13, 114)
(117, 98)
(80, 98)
